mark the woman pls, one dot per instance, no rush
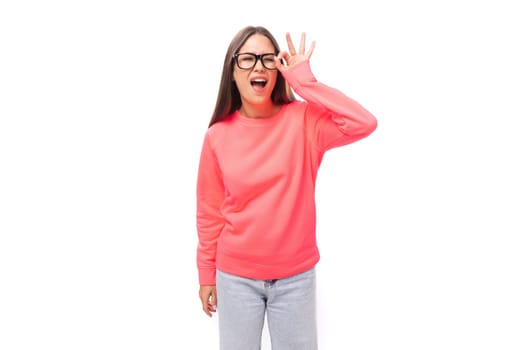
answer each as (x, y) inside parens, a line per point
(255, 190)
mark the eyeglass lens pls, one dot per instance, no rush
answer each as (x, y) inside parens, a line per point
(249, 60)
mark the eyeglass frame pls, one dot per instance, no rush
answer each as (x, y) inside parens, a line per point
(257, 58)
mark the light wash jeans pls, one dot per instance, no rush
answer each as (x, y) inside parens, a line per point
(289, 305)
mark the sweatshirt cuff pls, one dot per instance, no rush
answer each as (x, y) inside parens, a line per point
(299, 75)
(207, 276)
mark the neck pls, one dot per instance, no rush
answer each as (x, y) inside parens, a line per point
(259, 111)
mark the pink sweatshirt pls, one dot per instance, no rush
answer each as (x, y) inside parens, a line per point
(256, 214)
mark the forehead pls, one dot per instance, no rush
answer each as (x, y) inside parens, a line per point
(257, 43)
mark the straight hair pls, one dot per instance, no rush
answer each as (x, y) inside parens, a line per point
(228, 97)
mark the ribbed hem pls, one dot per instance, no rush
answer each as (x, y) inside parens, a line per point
(272, 268)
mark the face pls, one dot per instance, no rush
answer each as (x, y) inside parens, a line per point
(256, 84)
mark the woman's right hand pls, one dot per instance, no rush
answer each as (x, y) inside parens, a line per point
(292, 56)
(208, 296)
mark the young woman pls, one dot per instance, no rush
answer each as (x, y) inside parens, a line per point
(256, 216)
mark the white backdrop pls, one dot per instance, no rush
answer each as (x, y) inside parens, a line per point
(103, 106)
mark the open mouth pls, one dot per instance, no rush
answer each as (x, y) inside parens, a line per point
(261, 83)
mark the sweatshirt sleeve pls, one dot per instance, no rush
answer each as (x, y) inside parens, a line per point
(340, 120)
(210, 195)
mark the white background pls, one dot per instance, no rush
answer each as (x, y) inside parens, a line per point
(103, 106)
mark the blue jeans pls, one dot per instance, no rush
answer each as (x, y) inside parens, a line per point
(289, 305)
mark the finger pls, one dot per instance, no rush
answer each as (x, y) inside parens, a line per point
(204, 302)
(310, 50)
(280, 59)
(204, 296)
(301, 45)
(213, 299)
(284, 55)
(212, 304)
(206, 308)
(291, 47)
(206, 311)
(279, 65)
(210, 309)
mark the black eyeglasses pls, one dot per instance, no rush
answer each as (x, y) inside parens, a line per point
(248, 60)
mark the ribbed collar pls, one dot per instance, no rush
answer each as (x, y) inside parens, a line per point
(260, 121)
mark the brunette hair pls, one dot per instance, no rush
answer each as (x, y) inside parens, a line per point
(228, 98)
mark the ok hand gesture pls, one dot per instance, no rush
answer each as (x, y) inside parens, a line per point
(293, 57)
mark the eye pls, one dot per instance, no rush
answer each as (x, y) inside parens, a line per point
(246, 58)
(269, 58)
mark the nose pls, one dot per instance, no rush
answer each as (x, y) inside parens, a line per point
(259, 64)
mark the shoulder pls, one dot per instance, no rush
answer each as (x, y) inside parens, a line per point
(218, 131)
(220, 127)
(297, 105)
(295, 108)
(309, 110)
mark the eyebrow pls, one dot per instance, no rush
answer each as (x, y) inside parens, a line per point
(257, 54)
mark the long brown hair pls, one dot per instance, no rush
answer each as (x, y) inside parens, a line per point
(228, 98)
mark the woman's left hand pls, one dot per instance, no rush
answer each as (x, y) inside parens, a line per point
(292, 57)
